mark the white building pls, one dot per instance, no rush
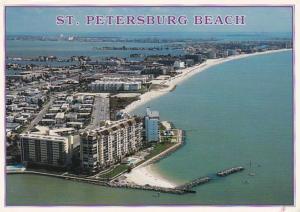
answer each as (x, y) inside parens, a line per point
(212, 54)
(46, 149)
(152, 125)
(108, 145)
(232, 52)
(179, 64)
(141, 78)
(100, 85)
(60, 118)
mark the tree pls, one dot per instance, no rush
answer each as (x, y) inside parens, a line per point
(129, 168)
(40, 103)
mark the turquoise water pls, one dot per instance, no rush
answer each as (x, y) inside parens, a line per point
(233, 113)
(237, 112)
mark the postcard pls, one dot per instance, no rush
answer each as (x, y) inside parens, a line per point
(149, 105)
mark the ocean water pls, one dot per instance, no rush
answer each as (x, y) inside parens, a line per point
(66, 49)
(234, 114)
(228, 36)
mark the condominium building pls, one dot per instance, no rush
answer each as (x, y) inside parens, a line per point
(136, 78)
(212, 54)
(46, 149)
(232, 52)
(108, 145)
(178, 64)
(152, 125)
(100, 85)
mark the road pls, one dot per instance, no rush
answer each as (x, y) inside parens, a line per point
(101, 112)
(40, 115)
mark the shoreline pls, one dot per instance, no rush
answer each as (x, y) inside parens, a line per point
(147, 174)
(186, 74)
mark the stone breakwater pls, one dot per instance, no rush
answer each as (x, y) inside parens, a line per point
(230, 171)
(183, 189)
(193, 183)
(152, 188)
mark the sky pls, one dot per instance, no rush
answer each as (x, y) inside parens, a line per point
(42, 20)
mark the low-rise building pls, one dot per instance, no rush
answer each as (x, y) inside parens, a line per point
(60, 118)
(178, 64)
(76, 125)
(48, 122)
(100, 85)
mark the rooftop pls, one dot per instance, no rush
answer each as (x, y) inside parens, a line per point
(44, 137)
(60, 115)
(152, 114)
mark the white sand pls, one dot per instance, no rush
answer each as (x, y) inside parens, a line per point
(187, 73)
(147, 175)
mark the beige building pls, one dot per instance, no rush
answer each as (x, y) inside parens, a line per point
(108, 145)
(46, 149)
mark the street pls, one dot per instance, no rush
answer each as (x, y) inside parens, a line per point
(40, 115)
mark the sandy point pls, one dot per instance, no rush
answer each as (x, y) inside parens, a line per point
(148, 175)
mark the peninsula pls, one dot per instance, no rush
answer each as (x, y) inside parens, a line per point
(81, 110)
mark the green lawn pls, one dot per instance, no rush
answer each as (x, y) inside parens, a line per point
(120, 168)
(158, 148)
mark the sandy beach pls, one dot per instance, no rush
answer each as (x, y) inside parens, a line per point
(147, 174)
(187, 73)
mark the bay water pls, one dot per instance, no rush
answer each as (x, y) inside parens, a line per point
(239, 113)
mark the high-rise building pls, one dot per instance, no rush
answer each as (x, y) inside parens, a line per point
(152, 125)
(107, 145)
(46, 149)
